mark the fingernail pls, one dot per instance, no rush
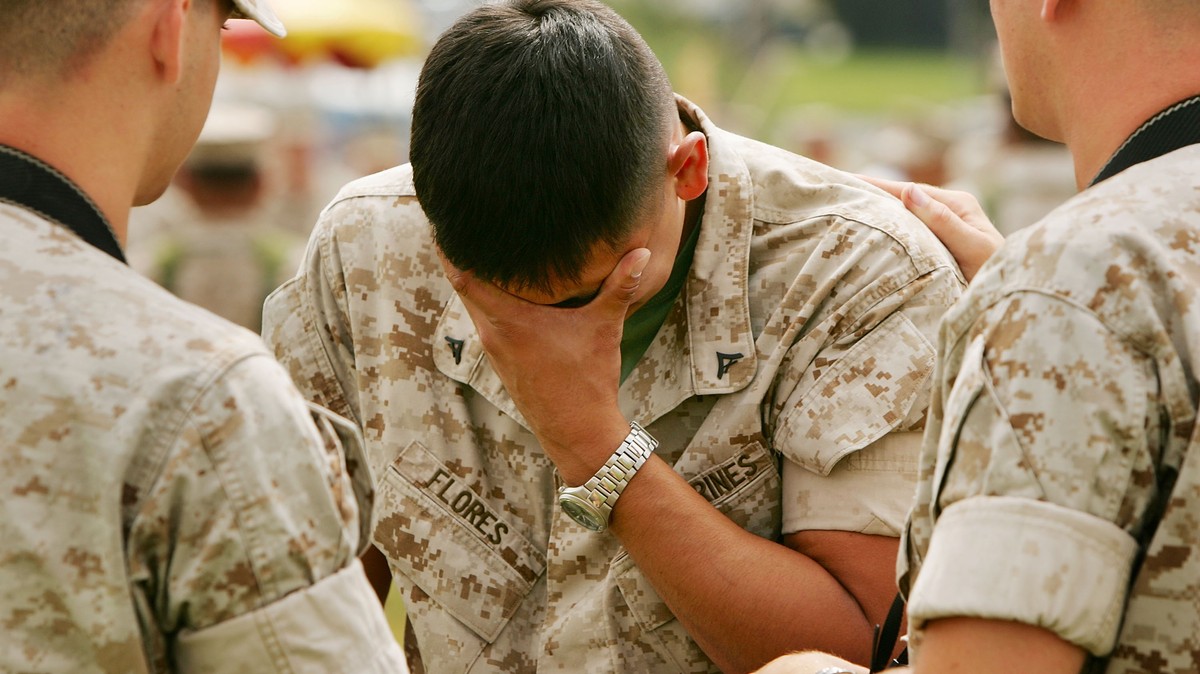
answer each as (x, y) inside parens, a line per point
(639, 265)
(918, 196)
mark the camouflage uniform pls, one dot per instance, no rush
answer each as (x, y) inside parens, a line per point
(1069, 387)
(804, 332)
(169, 504)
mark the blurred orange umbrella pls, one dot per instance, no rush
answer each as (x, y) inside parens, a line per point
(358, 33)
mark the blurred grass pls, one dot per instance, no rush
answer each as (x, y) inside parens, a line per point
(720, 65)
(394, 609)
(784, 75)
(877, 81)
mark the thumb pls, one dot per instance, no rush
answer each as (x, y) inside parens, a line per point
(622, 285)
(939, 218)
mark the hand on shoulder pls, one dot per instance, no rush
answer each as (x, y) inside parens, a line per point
(954, 217)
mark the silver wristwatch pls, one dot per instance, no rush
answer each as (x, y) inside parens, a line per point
(591, 503)
(833, 670)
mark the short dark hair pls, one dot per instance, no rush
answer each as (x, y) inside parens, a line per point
(52, 37)
(540, 130)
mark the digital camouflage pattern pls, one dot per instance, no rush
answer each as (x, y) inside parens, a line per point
(168, 503)
(804, 335)
(1068, 387)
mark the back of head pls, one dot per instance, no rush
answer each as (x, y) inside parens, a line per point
(540, 130)
(50, 38)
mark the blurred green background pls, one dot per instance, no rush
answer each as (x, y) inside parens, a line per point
(775, 55)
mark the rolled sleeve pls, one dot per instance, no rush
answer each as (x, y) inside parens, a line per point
(1032, 562)
(331, 626)
(1040, 476)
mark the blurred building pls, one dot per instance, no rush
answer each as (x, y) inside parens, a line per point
(941, 24)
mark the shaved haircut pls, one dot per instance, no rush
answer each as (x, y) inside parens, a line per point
(49, 38)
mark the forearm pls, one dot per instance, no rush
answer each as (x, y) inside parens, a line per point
(994, 647)
(744, 599)
(954, 645)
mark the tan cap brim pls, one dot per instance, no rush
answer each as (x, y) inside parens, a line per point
(261, 12)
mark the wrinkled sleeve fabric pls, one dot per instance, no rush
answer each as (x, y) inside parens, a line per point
(850, 428)
(1044, 468)
(306, 325)
(244, 550)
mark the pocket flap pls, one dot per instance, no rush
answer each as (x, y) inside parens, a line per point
(438, 532)
(868, 392)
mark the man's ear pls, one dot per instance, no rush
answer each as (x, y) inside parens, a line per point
(1049, 10)
(167, 38)
(687, 165)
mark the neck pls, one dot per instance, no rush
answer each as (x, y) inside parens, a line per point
(1124, 74)
(1100, 131)
(692, 213)
(98, 152)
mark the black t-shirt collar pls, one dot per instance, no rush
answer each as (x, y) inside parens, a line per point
(1176, 127)
(29, 183)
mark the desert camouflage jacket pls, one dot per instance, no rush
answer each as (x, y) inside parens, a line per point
(803, 335)
(1067, 394)
(169, 504)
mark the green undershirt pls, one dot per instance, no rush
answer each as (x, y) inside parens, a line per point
(643, 325)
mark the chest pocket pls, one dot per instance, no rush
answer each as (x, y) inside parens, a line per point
(438, 532)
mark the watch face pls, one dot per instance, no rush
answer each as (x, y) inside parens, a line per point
(586, 517)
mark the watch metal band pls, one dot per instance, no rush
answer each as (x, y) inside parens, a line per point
(606, 485)
(591, 503)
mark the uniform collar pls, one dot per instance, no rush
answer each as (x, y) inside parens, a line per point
(721, 342)
(1176, 127)
(458, 354)
(33, 185)
(706, 345)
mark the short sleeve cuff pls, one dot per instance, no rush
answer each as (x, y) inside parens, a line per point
(1032, 562)
(867, 492)
(335, 625)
